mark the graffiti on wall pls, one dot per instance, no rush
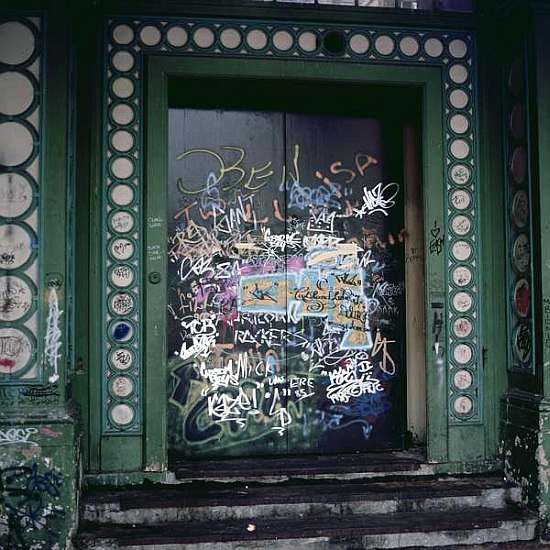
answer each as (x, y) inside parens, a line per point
(285, 287)
(31, 513)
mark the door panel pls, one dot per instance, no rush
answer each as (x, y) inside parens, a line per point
(285, 284)
(224, 173)
(347, 303)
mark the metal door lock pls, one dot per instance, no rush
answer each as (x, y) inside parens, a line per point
(154, 277)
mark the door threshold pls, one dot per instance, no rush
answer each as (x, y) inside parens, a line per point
(349, 466)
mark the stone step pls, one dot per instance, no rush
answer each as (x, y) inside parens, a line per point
(398, 530)
(212, 501)
(321, 467)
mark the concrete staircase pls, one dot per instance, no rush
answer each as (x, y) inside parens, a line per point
(384, 505)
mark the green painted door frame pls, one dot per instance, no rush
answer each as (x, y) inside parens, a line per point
(160, 69)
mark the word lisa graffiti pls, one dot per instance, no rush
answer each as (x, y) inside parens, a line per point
(285, 299)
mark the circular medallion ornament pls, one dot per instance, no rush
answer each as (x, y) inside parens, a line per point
(123, 34)
(462, 301)
(461, 251)
(359, 44)
(461, 199)
(123, 114)
(463, 327)
(16, 143)
(459, 99)
(308, 41)
(122, 386)
(462, 276)
(463, 379)
(123, 61)
(176, 36)
(384, 45)
(409, 46)
(461, 225)
(463, 405)
(122, 331)
(204, 37)
(122, 414)
(15, 246)
(122, 195)
(459, 124)
(122, 276)
(460, 174)
(17, 43)
(18, 93)
(518, 165)
(15, 350)
(523, 343)
(458, 74)
(122, 303)
(522, 298)
(122, 222)
(462, 354)
(122, 249)
(433, 47)
(520, 209)
(15, 195)
(458, 48)
(150, 35)
(521, 253)
(16, 298)
(460, 149)
(256, 39)
(121, 359)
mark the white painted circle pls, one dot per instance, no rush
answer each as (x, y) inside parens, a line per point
(458, 73)
(122, 168)
(308, 41)
(283, 41)
(461, 250)
(16, 93)
(204, 37)
(123, 87)
(359, 44)
(461, 199)
(256, 39)
(122, 276)
(122, 249)
(150, 35)
(462, 301)
(122, 303)
(459, 99)
(461, 225)
(433, 47)
(123, 114)
(122, 222)
(122, 195)
(16, 144)
(409, 46)
(463, 327)
(463, 405)
(122, 359)
(15, 349)
(520, 209)
(460, 149)
(462, 276)
(230, 38)
(458, 48)
(122, 414)
(463, 379)
(15, 298)
(459, 124)
(123, 34)
(384, 45)
(15, 195)
(122, 141)
(16, 43)
(122, 386)
(521, 253)
(177, 36)
(123, 61)
(460, 174)
(463, 354)
(15, 246)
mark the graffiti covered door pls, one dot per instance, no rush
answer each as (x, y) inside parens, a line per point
(285, 284)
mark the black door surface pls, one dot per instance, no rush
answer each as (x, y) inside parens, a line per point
(285, 284)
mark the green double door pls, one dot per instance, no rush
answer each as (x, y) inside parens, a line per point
(285, 317)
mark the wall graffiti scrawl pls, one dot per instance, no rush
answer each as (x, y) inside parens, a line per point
(285, 289)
